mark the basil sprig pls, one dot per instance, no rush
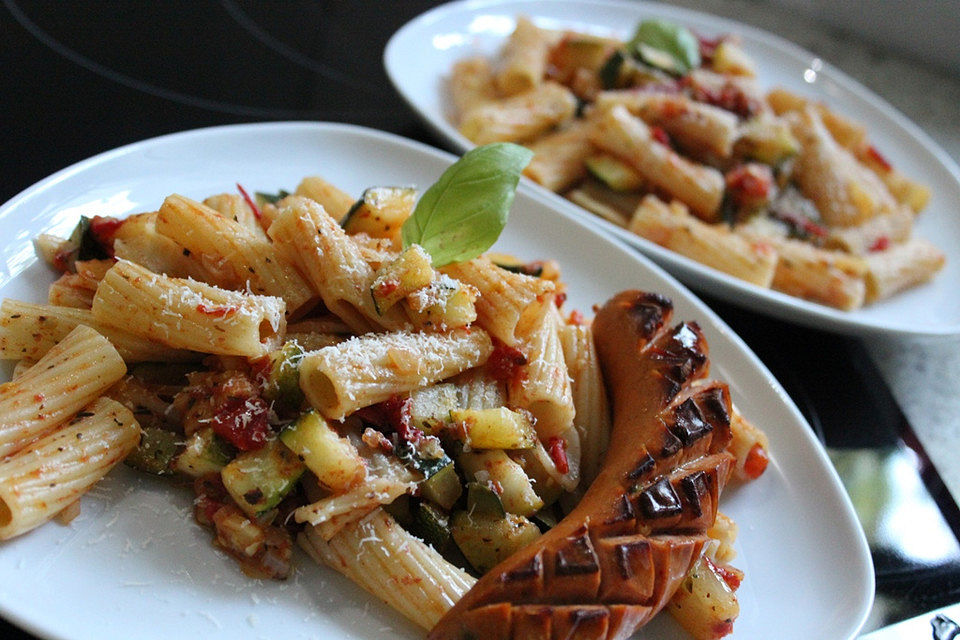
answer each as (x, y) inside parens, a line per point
(665, 45)
(463, 213)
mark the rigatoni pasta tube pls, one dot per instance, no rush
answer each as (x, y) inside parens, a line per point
(592, 419)
(672, 226)
(521, 117)
(334, 200)
(232, 255)
(71, 374)
(509, 303)
(332, 262)
(186, 314)
(365, 370)
(558, 158)
(695, 125)
(523, 60)
(901, 266)
(392, 565)
(27, 331)
(50, 474)
(627, 137)
(543, 384)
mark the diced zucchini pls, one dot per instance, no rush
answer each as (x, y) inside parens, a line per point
(427, 456)
(704, 602)
(532, 464)
(258, 480)
(434, 525)
(729, 58)
(498, 428)
(546, 518)
(445, 303)
(380, 211)
(283, 383)
(613, 172)
(430, 407)
(402, 510)
(617, 72)
(487, 540)
(81, 245)
(332, 458)
(156, 451)
(400, 277)
(443, 487)
(517, 494)
(766, 139)
(205, 453)
(482, 500)
(581, 51)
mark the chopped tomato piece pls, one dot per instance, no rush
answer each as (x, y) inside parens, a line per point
(756, 462)
(557, 448)
(878, 157)
(242, 421)
(253, 205)
(880, 244)
(505, 362)
(660, 135)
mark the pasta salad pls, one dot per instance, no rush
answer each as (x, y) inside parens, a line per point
(669, 135)
(356, 374)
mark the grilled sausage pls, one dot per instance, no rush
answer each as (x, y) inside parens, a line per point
(615, 561)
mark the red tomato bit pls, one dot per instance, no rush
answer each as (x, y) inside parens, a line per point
(557, 448)
(733, 577)
(878, 157)
(104, 230)
(660, 135)
(756, 462)
(880, 244)
(250, 201)
(397, 410)
(505, 362)
(242, 422)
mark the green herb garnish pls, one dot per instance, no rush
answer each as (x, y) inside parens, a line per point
(665, 45)
(463, 213)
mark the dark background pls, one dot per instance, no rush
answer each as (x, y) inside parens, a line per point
(78, 79)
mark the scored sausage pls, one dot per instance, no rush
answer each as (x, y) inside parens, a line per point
(618, 557)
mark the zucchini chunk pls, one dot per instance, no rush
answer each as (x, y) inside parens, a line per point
(517, 494)
(206, 452)
(430, 407)
(156, 452)
(445, 303)
(434, 525)
(332, 458)
(486, 540)
(283, 380)
(614, 173)
(443, 487)
(499, 428)
(258, 480)
(400, 277)
(380, 212)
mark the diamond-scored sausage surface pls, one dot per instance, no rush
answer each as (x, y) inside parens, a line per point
(616, 560)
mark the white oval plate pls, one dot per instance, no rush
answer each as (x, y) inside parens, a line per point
(134, 564)
(420, 55)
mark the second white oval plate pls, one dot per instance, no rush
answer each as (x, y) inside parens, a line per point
(420, 55)
(135, 565)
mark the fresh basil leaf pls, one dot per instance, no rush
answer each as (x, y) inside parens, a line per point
(463, 213)
(666, 45)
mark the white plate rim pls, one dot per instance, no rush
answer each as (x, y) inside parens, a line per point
(694, 274)
(724, 336)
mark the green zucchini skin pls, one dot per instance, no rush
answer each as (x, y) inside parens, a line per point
(259, 480)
